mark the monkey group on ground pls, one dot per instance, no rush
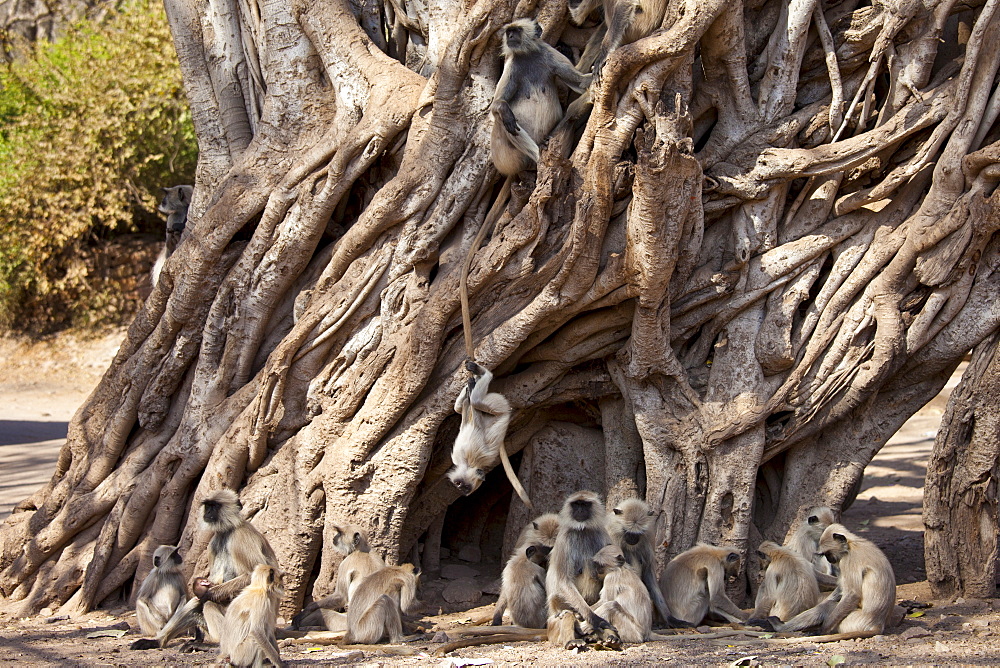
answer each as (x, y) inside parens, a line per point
(600, 584)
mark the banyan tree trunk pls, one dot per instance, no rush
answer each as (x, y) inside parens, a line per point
(770, 241)
(960, 492)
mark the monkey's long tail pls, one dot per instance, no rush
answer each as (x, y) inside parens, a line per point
(470, 350)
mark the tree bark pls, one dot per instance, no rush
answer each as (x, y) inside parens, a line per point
(758, 256)
(960, 492)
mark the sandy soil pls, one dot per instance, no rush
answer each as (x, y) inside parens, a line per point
(41, 385)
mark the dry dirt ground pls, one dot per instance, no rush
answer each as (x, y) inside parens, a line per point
(42, 384)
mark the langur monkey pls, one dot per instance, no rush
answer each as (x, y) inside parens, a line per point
(540, 531)
(526, 103)
(625, 22)
(571, 581)
(789, 586)
(866, 588)
(358, 563)
(485, 416)
(522, 588)
(694, 584)
(234, 550)
(176, 201)
(161, 592)
(248, 631)
(629, 526)
(805, 541)
(379, 601)
(625, 601)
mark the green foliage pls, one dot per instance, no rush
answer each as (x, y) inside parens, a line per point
(91, 126)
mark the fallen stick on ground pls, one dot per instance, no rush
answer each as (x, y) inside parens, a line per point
(494, 639)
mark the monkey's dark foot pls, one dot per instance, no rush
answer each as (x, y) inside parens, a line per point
(609, 640)
(761, 624)
(592, 638)
(472, 366)
(192, 646)
(145, 643)
(775, 623)
(675, 623)
(576, 643)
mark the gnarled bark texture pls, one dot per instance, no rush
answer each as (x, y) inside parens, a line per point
(960, 492)
(771, 241)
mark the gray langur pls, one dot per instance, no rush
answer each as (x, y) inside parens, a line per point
(485, 416)
(358, 563)
(161, 592)
(571, 582)
(526, 103)
(788, 587)
(805, 541)
(625, 601)
(376, 609)
(625, 21)
(630, 525)
(175, 203)
(248, 630)
(522, 588)
(866, 588)
(694, 584)
(234, 550)
(540, 531)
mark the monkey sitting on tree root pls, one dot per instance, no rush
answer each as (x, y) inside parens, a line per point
(526, 103)
(248, 630)
(865, 596)
(359, 563)
(161, 592)
(175, 203)
(694, 584)
(234, 550)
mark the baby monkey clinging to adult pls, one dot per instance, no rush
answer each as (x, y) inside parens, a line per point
(526, 103)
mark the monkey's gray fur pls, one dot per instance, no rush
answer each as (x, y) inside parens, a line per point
(248, 630)
(522, 588)
(526, 103)
(485, 416)
(161, 592)
(176, 201)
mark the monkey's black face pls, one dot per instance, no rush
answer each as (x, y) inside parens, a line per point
(211, 512)
(813, 519)
(632, 537)
(156, 562)
(581, 510)
(832, 557)
(513, 37)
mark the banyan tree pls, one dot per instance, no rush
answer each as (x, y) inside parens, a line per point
(769, 241)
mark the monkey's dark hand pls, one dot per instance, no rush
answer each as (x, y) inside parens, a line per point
(145, 643)
(599, 622)
(473, 367)
(201, 587)
(508, 119)
(761, 624)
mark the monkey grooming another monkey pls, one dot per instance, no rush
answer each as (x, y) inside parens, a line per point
(248, 631)
(865, 593)
(805, 541)
(789, 586)
(376, 610)
(175, 203)
(161, 592)
(625, 601)
(629, 526)
(522, 588)
(358, 564)
(526, 103)
(485, 416)
(234, 550)
(571, 582)
(694, 584)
